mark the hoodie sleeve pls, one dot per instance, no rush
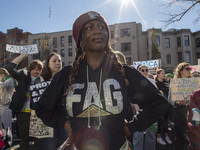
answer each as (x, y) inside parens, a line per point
(51, 108)
(142, 92)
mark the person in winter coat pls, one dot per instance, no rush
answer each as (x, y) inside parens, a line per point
(7, 87)
(97, 90)
(20, 103)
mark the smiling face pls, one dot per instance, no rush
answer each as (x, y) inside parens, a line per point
(35, 72)
(94, 36)
(55, 63)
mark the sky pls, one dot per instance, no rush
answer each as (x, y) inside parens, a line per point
(46, 16)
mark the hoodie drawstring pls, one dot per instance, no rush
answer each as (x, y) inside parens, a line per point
(100, 80)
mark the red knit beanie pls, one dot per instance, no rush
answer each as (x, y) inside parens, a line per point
(82, 20)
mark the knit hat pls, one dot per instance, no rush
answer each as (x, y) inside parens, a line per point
(82, 20)
(170, 75)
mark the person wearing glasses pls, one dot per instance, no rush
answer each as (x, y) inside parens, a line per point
(146, 139)
(183, 70)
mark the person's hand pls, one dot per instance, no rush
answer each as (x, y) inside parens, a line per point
(70, 133)
(24, 55)
(181, 103)
(126, 131)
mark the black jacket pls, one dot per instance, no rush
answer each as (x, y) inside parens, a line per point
(23, 78)
(114, 102)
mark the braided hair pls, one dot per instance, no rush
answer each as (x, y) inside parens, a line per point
(80, 55)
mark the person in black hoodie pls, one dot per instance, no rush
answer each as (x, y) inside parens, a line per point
(97, 90)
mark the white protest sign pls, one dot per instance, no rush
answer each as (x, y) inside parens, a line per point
(149, 64)
(29, 49)
(182, 88)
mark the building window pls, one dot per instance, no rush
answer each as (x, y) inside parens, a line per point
(112, 34)
(168, 59)
(62, 40)
(63, 64)
(125, 47)
(36, 41)
(62, 52)
(198, 55)
(55, 41)
(198, 42)
(69, 39)
(55, 51)
(187, 57)
(125, 32)
(167, 43)
(186, 39)
(158, 40)
(179, 41)
(180, 60)
(129, 61)
(36, 56)
(69, 52)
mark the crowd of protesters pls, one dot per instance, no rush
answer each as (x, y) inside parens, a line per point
(99, 101)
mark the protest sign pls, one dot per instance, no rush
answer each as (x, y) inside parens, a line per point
(149, 63)
(29, 49)
(182, 88)
(37, 127)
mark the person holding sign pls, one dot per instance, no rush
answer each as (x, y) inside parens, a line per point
(20, 103)
(97, 89)
(183, 70)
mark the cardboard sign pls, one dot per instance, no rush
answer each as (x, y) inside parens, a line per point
(37, 127)
(29, 49)
(182, 88)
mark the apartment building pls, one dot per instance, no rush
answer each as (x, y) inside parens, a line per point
(13, 36)
(174, 45)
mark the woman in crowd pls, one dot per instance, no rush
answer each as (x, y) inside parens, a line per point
(147, 139)
(7, 87)
(183, 70)
(163, 86)
(97, 89)
(52, 65)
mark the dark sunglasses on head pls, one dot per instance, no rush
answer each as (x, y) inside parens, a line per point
(143, 70)
(188, 69)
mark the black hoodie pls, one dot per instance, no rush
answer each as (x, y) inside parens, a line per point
(98, 119)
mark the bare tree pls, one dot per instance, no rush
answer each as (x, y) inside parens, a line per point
(183, 7)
